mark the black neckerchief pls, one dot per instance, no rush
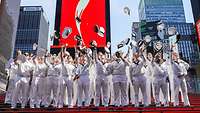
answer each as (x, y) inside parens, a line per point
(136, 62)
(118, 60)
(176, 62)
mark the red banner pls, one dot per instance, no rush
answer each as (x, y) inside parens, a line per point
(198, 31)
(83, 14)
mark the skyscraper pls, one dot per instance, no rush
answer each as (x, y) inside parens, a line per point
(171, 12)
(165, 10)
(5, 40)
(13, 7)
(196, 9)
(33, 28)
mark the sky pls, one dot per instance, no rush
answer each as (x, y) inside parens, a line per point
(120, 23)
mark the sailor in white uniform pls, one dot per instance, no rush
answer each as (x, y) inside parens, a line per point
(39, 83)
(119, 79)
(82, 77)
(66, 80)
(101, 81)
(160, 80)
(53, 74)
(138, 79)
(11, 69)
(25, 71)
(180, 68)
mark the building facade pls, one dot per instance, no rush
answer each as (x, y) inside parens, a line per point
(187, 49)
(136, 29)
(32, 28)
(182, 28)
(196, 9)
(6, 32)
(13, 8)
(165, 10)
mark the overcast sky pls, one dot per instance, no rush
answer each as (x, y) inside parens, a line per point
(120, 23)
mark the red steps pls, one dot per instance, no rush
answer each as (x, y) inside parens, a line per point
(106, 110)
(194, 100)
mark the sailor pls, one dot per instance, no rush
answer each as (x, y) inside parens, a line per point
(180, 68)
(66, 80)
(149, 76)
(160, 80)
(119, 79)
(82, 77)
(101, 81)
(53, 74)
(138, 79)
(11, 69)
(25, 71)
(39, 83)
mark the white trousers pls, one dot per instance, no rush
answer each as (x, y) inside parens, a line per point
(83, 91)
(110, 90)
(161, 84)
(21, 85)
(139, 82)
(52, 88)
(65, 83)
(75, 92)
(38, 91)
(120, 93)
(180, 83)
(101, 90)
(10, 91)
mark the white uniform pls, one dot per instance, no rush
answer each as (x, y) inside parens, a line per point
(149, 82)
(83, 84)
(179, 71)
(22, 83)
(160, 82)
(110, 85)
(139, 81)
(38, 86)
(53, 74)
(120, 82)
(12, 73)
(66, 80)
(101, 84)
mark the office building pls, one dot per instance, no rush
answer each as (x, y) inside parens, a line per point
(32, 28)
(5, 42)
(13, 8)
(196, 9)
(165, 10)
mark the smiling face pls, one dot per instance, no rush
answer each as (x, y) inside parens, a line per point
(150, 56)
(40, 60)
(27, 56)
(174, 56)
(100, 54)
(135, 56)
(102, 57)
(70, 60)
(83, 59)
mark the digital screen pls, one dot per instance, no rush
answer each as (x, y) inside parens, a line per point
(198, 31)
(82, 16)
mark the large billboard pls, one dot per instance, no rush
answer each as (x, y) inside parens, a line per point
(86, 18)
(198, 31)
